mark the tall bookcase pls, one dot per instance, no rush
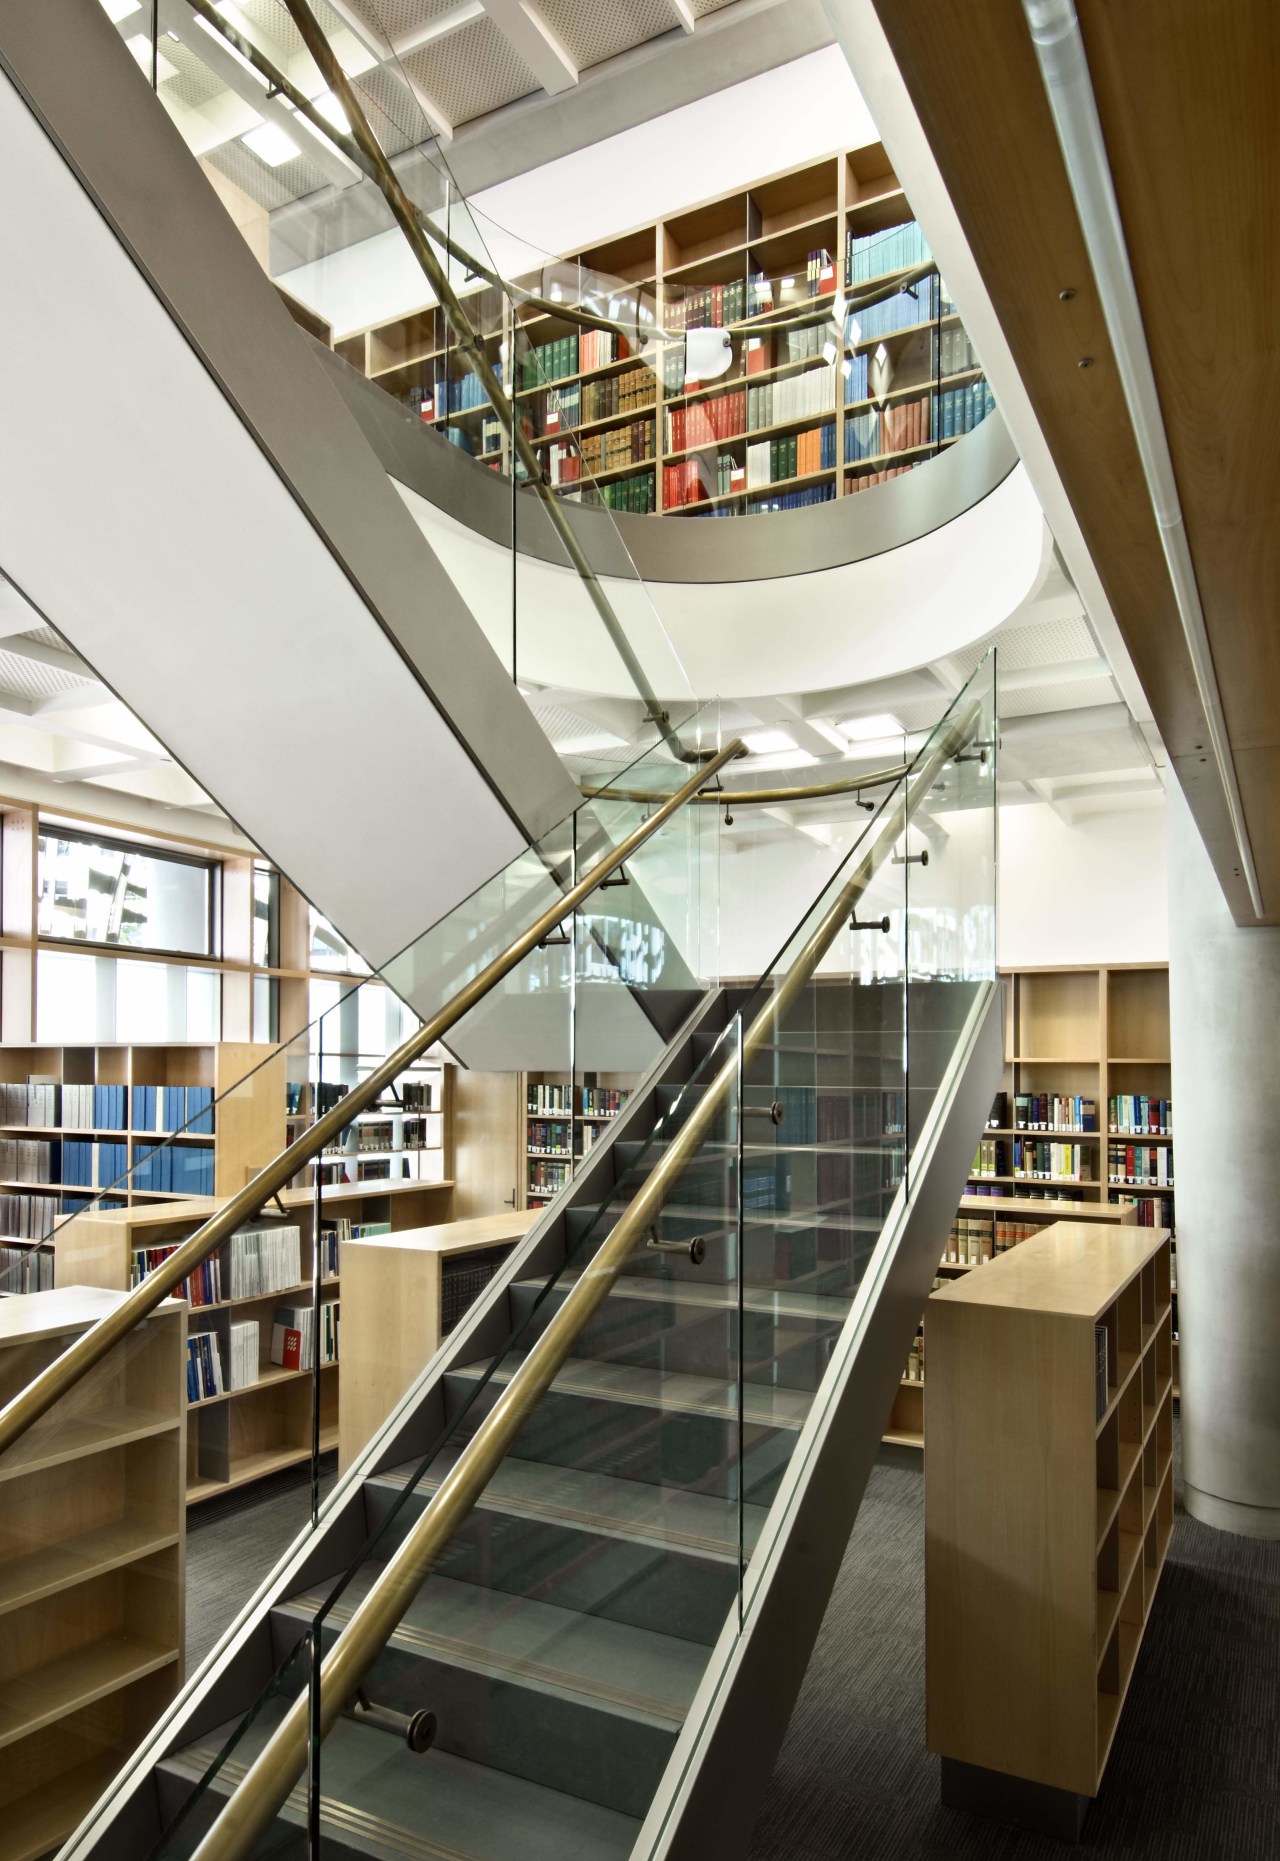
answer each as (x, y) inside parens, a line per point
(1089, 1032)
(562, 1123)
(799, 243)
(91, 1562)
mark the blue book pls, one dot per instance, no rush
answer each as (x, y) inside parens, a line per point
(200, 1110)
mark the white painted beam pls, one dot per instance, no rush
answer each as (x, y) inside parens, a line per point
(536, 41)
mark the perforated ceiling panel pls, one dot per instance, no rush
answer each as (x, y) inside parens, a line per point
(393, 115)
(1044, 643)
(270, 187)
(393, 18)
(592, 32)
(471, 71)
(194, 85)
(273, 22)
(1049, 697)
(28, 678)
(702, 7)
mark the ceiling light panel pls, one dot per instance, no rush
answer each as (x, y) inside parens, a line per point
(271, 145)
(768, 742)
(870, 729)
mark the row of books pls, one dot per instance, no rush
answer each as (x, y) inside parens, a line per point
(955, 351)
(1024, 1194)
(711, 307)
(293, 1336)
(905, 310)
(90, 1165)
(26, 1217)
(205, 1378)
(25, 1269)
(989, 1158)
(636, 495)
(1154, 1211)
(819, 273)
(692, 480)
(788, 500)
(547, 1177)
(463, 1280)
(864, 481)
(773, 461)
(34, 1101)
(1054, 1111)
(1135, 1112)
(202, 1287)
(1140, 1163)
(872, 255)
(551, 1137)
(1052, 1160)
(619, 446)
(172, 1108)
(31, 1160)
(175, 1169)
(603, 1101)
(549, 1098)
(897, 428)
(914, 1372)
(970, 1241)
(579, 403)
(552, 361)
(960, 410)
(702, 423)
(794, 397)
(264, 1260)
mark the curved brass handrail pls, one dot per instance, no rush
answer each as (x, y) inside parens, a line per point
(270, 1778)
(92, 1345)
(743, 797)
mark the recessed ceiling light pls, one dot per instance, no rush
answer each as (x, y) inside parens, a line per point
(116, 10)
(331, 110)
(140, 46)
(767, 742)
(867, 729)
(271, 145)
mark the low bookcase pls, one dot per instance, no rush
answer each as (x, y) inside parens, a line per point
(1048, 1512)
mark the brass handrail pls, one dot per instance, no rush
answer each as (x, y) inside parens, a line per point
(92, 1345)
(743, 797)
(270, 1778)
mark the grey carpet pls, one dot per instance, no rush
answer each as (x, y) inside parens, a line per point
(1194, 1774)
(1195, 1770)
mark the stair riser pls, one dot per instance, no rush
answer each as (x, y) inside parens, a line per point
(521, 1726)
(791, 1352)
(671, 1590)
(818, 1258)
(694, 1453)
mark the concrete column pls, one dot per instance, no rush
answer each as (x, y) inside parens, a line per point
(1224, 988)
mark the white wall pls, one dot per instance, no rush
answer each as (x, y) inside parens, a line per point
(1096, 892)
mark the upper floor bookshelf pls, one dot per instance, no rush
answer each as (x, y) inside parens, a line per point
(823, 396)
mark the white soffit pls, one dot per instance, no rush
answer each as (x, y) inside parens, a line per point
(849, 625)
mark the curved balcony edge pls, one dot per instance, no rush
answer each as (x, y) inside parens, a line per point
(690, 549)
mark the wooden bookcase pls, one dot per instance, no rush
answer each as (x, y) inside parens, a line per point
(755, 244)
(1046, 1524)
(91, 1562)
(397, 1308)
(567, 1132)
(246, 1433)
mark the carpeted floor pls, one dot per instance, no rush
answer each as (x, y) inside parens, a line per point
(1194, 1774)
(1195, 1770)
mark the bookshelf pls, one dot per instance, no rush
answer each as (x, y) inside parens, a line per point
(402, 1295)
(248, 1433)
(91, 1562)
(798, 418)
(1047, 1525)
(247, 1130)
(562, 1124)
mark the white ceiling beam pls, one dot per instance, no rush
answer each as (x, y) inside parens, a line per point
(86, 697)
(27, 711)
(684, 13)
(57, 657)
(438, 28)
(787, 715)
(124, 765)
(388, 54)
(536, 41)
(1056, 672)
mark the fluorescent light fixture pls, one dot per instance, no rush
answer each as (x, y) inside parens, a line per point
(870, 729)
(116, 10)
(787, 283)
(271, 145)
(767, 742)
(140, 46)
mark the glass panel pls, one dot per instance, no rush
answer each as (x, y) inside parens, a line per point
(125, 1001)
(95, 891)
(950, 849)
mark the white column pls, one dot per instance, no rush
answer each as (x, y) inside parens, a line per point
(1224, 988)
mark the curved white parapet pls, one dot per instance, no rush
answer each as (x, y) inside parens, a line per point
(847, 624)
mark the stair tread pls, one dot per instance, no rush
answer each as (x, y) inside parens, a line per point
(636, 1671)
(719, 1296)
(393, 1805)
(667, 1516)
(672, 1391)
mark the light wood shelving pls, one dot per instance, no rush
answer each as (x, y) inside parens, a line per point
(760, 235)
(571, 1129)
(1046, 1524)
(91, 1562)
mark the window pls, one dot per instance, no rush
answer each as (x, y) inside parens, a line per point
(107, 892)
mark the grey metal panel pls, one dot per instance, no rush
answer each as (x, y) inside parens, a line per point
(688, 549)
(76, 75)
(724, 1758)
